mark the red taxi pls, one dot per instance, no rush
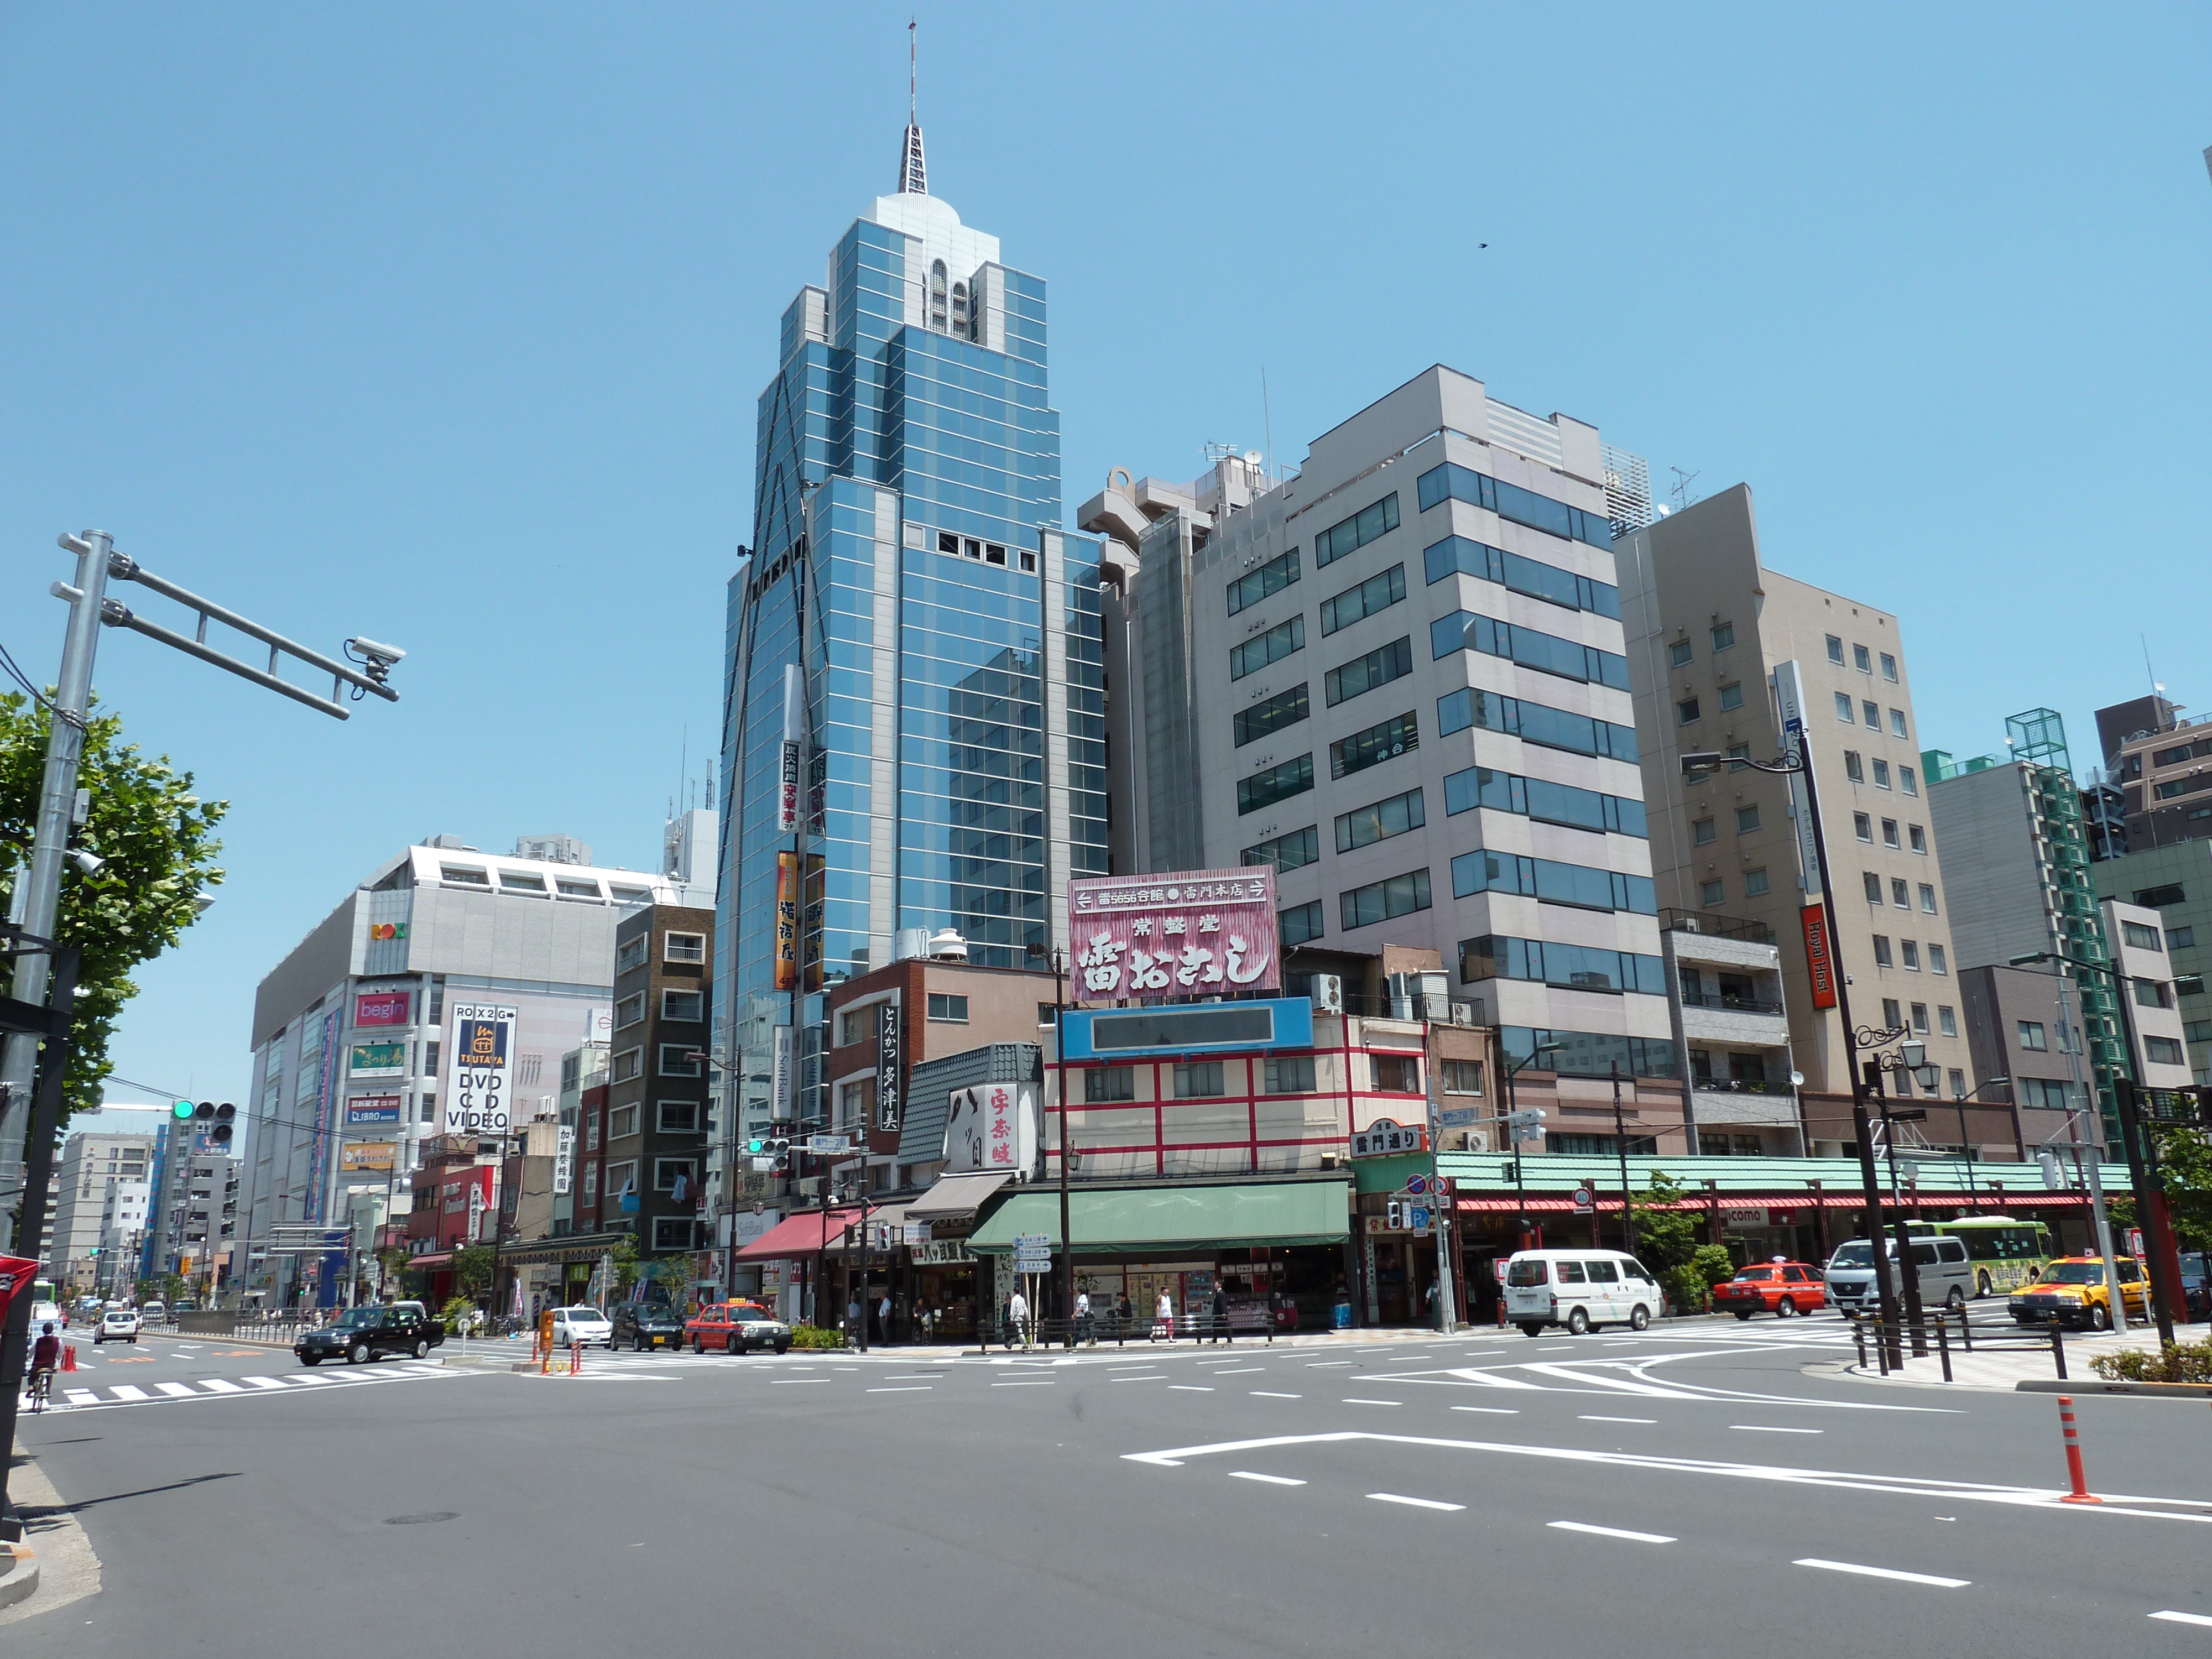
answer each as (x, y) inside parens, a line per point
(735, 1326)
(1784, 1289)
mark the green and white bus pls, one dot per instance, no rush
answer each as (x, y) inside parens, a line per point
(2004, 1253)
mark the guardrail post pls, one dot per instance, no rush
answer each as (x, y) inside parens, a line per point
(1943, 1345)
(1858, 1336)
(1882, 1336)
(2058, 1348)
(1967, 1329)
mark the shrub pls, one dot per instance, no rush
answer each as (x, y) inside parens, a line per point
(2179, 1362)
(1687, 1290)
(1714, 1262)
(814, 1336)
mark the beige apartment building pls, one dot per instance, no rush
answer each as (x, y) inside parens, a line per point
(1707, 625)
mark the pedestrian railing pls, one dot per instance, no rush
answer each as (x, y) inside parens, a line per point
(1945, 1331)
(1109, 1327)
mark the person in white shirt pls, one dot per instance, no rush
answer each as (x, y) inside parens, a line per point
(1083, 1331)
(1018, 1319)
(1163, 1317)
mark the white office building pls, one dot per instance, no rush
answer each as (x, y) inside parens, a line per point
(94, 1165)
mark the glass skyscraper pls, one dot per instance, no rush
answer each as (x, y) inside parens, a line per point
(906, 557)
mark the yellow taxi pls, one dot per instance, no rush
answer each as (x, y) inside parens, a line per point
(2071, 1289)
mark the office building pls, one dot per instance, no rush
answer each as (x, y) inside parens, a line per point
(1724, 986)
(2023, 1024)
(1708, 624)
(2174, 881)
(907, 566)
(2162, 766)
(2153, 1019)
(193, 1210)
(93, 1165)
(1397, 677)
(649, 1154)
(123, 1219)
(351, 1075)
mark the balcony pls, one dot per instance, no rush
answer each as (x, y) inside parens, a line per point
(1740, 1004)
(1718, 1101)
(1714, 926)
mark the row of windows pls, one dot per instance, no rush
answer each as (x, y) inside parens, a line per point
(1204, 1080)
(1871, 713)
(1588, 1054)
(1273, 577)
(674, 1004)
(1705, 830)
(1263, 789)
(1293, 850)
(1578, 884)
(1901, 892)
(1689, 709)
(1278, 642)
(1534, 722)
(674, 1117)
(1862, 827)
(1713, 892)
(1384, 819)
(1571, 967)
(677, 1059)
(1284, 708)
(1456, 556)
(1543, 800)
(1378, 667)
(1909, 951)
(1384, 740)
(1452, 481)
(1378, 592)
(1356, 532)
(1380, 901)
(1681, 651)
(1861, 658)
(1467, 630)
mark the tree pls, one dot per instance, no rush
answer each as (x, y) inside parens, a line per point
(1666, 1225)
(625, 1259)
(157, 838)
(472, 1270)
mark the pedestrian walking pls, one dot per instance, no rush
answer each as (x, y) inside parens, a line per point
(1164, 1318)
(1083, 1331)
(853, 1318)
(1124, 1315)
(1221, 1332)
(883, 1318)
(1018, 1319)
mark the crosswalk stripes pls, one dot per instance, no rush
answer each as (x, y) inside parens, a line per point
(213, 1387)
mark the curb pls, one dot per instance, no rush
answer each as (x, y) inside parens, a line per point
(2096, 1385)
(19, 1579)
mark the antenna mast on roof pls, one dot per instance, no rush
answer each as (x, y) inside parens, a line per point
(913, 175)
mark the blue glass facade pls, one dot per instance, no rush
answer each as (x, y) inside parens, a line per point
(907, 554)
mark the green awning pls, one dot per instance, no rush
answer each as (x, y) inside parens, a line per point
(1168, 1221)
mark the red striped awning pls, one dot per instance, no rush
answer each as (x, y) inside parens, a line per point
(808, 1233)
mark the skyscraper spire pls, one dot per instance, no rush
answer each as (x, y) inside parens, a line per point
(914, 174)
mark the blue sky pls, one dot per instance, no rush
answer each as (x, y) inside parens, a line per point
(444, 324)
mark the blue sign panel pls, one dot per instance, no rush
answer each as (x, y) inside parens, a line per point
(1188, 1028)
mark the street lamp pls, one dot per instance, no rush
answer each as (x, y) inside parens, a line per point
(1966, 1142)
(1515, 1121)
(2143, 1175)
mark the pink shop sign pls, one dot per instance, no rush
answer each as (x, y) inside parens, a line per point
(1188, 933)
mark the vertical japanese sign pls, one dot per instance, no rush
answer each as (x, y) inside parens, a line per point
(890, 1087)
(1819, 958)
(786, 783)
(992, 1125)
(1789, 706)
(479, 1093)
(1192, 934)
(564, 1160)
(787, 921)
(326, 1100)
(781, 1077)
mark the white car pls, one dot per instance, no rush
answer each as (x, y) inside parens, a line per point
(117, 1325)
(47, 1313)
(586, 1325)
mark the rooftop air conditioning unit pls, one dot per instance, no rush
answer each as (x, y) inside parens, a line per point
(1478, 1140)
(945, 945)
(1328, 993)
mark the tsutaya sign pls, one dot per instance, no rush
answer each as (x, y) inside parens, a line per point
(1188, 933)
(478, 1093)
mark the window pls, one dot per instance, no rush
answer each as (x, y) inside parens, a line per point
(1549, 654)
(462, 875)
(1873, 885)
(1703, 830)
(1396, 1074)
(1881, 957)
(2152, 898)
(1382, 741)
(856, 1025)
(681, 1005)
(1278, 642)
(1920, 1019)
(1843, 708)
(631, 955)
(627, 1063)
(1906, 781)
(1452, 481)
(1378, 667)
(1872, 714)
(1686, 711)
(1861, 660)
(2164, 1051)
(678, 1117)
(1271, 715)
(672, 1233)
(1356, 532)
(1678, 655)
(1881, 775)
(1746, 819)
(1292, 777)
(1290, 851)
(1936, 965)
(1911, 950)
(1919, 840)
(1754, 883)
(684, 947)
(1378, 592)
(1199, 1080)
(681, 1060)
(1300, 922)
(1927, 899)
(2152, 993)
(1577, 884)
(1544, 801)
(621, 1121)
(1889, 832)
(591, 1131)
(1899, 894)
(1893, 1016)
(1292, 1074)
(1386, 818)
(1462, 1077)
(1711, 893)
(1518, 573)
(667, 1171)
(1889, 673)
(1896, 722)
(1732, 695)
(1738, 756)
(1103, 1084)
(1835, 651)
(1537, 723)
(1947, 1021)
(1382, 900)
(1863, 826)
(2032, 1037)
(2180, 938)
(2142, 937)
(1571, 967)
(630, 1010)
(947, 1008)
(1723, 636)
(1854, 768)
(1048, 1015)
(1277, 573)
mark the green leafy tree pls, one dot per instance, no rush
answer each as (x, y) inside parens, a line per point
(625, 1259)
(2185, 1156)
(158, 840)
(1666, 1236)
(472, 1270)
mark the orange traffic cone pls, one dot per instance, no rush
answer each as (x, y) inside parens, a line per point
(69, 1356)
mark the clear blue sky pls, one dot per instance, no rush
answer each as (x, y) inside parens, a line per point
(444, 324)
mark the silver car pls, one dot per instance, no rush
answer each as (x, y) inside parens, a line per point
(1946, 1277)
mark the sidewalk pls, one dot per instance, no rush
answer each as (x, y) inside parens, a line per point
(2004, 1368)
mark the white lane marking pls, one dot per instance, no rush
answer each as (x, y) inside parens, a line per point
(1887, 1572)
(909, 1388)
(1324, 1364)
(125, 1391)
(1554, 1347)
(1149, 1377)
(1413, 1503)
(1491, 1410)
(174, 1390)
(2173, 1617)
(1269, 1394)
(1374, 1402)
(1033, 1383)
(916, 1377)
(1242, 1371)
(1770, 1428)
(1285, 1481)
(80, 1396)
(1190, 1388)
(262, 1382)
(1587, 1418)
(782, 1381)
(1482, 1353)
(1612, 1532)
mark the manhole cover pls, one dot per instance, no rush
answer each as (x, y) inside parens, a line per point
(420, 1520)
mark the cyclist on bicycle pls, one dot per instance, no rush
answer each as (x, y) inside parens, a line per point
(46, 1355)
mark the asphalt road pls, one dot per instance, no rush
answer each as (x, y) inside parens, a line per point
(1692, 1489)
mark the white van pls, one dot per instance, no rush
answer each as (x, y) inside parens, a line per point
(1939, 1260)
(1578, 1289)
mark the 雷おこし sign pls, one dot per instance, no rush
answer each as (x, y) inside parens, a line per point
(1192, 934)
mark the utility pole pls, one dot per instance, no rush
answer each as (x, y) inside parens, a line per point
(1621, 1145)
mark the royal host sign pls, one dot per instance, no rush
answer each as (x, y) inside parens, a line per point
(1192, 934)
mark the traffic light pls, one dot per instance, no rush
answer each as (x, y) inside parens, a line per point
(212, 1118)
(182, 1111)
(780, 1150)
(1394, 1215)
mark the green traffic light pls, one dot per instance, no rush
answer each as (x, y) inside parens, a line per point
(182, 1111)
